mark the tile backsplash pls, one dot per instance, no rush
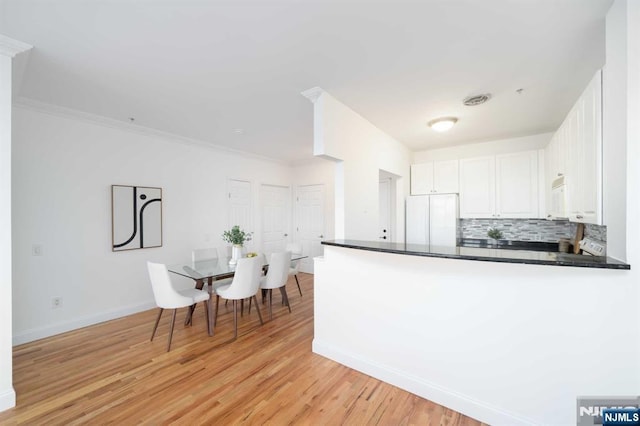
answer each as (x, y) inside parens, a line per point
(528, 229)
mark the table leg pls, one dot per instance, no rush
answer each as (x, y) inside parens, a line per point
(187, 320)
(210, 310)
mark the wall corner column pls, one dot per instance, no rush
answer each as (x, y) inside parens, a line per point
(9, 48)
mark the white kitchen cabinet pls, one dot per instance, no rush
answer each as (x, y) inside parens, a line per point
(434, 177)
(478, 187)
(555, 166)
(422, 178)
(517, 185)
(587, 201)
(575, 152)
(502, 186)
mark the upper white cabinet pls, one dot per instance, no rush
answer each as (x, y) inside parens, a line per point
(517, 185)
(477, 187)
(434, 177)
(575, 152)
(501, 186)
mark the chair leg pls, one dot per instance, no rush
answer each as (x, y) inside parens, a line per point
(235, 319)
(242, 307)
(270, 303)
(155, 327)
(258, 309)
(250, 300)
(298, 282)
(173, 322)
(285, 297)
(187, 319)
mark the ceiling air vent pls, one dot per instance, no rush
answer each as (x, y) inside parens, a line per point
(476, 99)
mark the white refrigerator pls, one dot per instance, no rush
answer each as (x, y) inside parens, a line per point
(432, 220)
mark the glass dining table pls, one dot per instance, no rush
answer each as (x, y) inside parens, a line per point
(206, 272)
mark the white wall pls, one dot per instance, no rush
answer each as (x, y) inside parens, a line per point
(362, 150)
(62, 172)
(7, 394)
(614, 129)
(502, 146)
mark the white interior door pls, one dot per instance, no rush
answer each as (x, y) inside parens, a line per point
(310, 223)
(274, 202)
(384, 216)
(239, 207)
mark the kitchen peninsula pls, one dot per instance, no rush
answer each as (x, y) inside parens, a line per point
(474, 333)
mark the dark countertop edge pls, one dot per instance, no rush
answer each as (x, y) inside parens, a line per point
(582, 264)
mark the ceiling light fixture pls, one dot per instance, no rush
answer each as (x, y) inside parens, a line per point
(442, 124)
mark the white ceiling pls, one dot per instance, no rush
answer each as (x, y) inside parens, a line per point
(202, 69)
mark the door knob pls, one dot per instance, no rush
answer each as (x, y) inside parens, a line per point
(321, 236)
(286, 235)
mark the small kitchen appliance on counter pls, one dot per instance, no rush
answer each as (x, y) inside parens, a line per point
(593, 247)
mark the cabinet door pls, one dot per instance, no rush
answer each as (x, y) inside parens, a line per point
(590, 184)
(421, 178)
(477, 187)
(445, 176)
(517, 185)
(574, 161)
(551, 167)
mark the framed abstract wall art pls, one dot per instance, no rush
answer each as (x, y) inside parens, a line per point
(136, 217)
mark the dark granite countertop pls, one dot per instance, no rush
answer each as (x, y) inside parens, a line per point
(485, 253)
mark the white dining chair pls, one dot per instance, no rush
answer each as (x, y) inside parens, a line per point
(295, 249)
(168, 297)
(245, 285)
(210, 253)
(276, 277)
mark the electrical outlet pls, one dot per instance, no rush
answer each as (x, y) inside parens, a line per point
(56, 302)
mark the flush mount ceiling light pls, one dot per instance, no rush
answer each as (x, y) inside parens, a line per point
(442, 124)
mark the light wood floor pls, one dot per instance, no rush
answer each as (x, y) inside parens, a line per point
(112, 373)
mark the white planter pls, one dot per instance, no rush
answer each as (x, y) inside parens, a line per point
(236, 253)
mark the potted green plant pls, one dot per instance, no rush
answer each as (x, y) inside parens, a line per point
(237, 237)
(495, 234)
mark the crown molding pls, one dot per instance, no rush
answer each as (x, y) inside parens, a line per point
(313, 94)
(60, 111)
(10, 47)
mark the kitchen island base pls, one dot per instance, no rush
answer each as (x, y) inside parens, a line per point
(504, 343)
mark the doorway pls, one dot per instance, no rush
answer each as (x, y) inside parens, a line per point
(387, 206)
(239, 205)
(309, 228)
(275, 202)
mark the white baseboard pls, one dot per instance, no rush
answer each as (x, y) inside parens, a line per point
(7, 399)
(464, 404)
(62, 327)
